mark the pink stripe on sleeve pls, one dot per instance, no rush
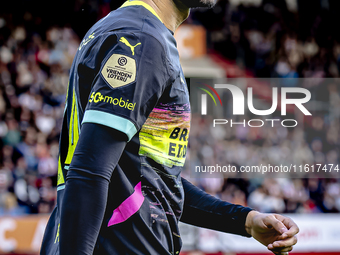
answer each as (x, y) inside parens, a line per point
(129, 206)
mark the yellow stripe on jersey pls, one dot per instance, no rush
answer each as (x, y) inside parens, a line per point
(145, 5)
(57, 235)
(73, 130)
(61, 179)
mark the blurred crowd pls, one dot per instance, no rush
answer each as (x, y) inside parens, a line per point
(36, 53)
(33, 83)
(248, 146)
(278, 39)
(269, 39)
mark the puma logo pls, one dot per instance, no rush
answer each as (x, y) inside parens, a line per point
(123, 40)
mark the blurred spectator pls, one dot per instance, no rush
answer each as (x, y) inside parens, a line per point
(35, 60)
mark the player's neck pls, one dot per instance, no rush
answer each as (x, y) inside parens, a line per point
(172, 14)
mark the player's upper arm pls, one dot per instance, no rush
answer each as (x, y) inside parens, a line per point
(133, 74)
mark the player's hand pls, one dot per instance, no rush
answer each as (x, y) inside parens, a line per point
(275, 231)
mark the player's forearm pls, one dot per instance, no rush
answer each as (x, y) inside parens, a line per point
(204, 210)
(85, 196)
(82, 213)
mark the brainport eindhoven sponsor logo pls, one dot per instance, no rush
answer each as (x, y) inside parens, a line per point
(238, 104)
(97, 97)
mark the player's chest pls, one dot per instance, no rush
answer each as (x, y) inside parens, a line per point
(164, 136)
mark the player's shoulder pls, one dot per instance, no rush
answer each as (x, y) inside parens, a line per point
(145, 36)
(132, 31)
(142, 23)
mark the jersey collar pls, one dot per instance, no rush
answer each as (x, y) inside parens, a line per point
(145, 5)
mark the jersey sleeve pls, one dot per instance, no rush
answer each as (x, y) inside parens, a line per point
(203, 210)
(132, 77)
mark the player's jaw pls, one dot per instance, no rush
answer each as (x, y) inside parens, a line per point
(197, 3)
